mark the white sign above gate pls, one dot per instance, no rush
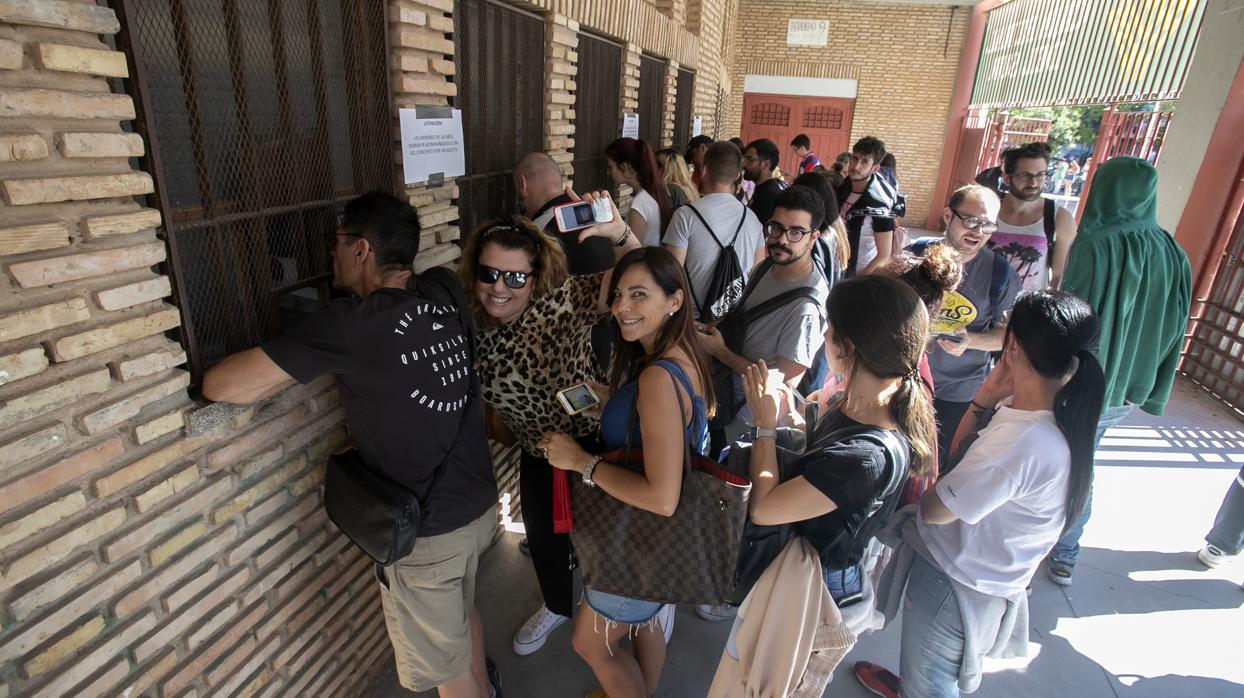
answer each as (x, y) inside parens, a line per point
(807, 32)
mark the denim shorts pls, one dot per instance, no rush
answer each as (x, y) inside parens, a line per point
(621, 609)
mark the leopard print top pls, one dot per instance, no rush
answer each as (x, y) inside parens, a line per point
(522, 365)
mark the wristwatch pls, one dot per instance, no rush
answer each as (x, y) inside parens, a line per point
(758, 433)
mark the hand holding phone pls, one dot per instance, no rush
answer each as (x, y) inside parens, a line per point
(578, 398)
(578, 215)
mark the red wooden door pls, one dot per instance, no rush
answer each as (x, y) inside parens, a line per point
(826, 120)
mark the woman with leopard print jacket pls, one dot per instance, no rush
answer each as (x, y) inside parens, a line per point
(534, 325)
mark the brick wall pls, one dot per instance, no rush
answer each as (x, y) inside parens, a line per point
(150, 544)
(909, 57)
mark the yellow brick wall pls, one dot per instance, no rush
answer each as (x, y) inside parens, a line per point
(151, 544)
(905, 58)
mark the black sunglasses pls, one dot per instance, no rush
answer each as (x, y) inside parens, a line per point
(513, 279)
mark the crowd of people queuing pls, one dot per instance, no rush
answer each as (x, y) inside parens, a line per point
(964, 381)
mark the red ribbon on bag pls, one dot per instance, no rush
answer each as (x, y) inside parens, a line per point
(563, 514)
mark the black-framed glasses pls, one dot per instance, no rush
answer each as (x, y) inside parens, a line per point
(330, 240)
(751, 158)
(987, 227)
(1030, 176)
(774, 229)
(513, 279)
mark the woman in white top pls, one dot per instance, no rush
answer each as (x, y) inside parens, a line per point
(1026, 449)
(631, 162)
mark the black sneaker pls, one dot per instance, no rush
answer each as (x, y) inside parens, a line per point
(494, 677)
(524, 548)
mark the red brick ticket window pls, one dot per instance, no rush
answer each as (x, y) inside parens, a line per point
(263, 118)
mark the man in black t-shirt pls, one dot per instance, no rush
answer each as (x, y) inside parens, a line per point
(538, 184)
(759, 160)
(403, 367)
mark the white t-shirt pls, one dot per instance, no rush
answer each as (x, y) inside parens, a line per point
(646, 206)
(1010, 494)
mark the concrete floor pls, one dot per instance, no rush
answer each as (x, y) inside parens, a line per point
(1143, 619)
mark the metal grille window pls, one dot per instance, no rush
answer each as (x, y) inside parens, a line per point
(651, 99)
(597, 106)
(685, 97)
(500, 77)
(1214, 357)
(262, 118)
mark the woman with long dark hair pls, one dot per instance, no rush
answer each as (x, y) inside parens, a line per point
(632, 162)
(1026, 449)
(877, 331)
(659, 372)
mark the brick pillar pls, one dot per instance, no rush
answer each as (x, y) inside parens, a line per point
(422, 65)
(561, 44)
(669, 105)
(630, 103)
(674, 9)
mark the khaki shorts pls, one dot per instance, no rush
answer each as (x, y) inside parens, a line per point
(430, 593)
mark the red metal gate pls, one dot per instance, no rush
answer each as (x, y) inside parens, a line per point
(1214, 353)
(1137, 134)
(987, 134)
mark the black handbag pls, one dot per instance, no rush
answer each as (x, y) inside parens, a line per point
(689, 557)
(378, 514)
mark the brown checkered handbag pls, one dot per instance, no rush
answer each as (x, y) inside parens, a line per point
(689, 557)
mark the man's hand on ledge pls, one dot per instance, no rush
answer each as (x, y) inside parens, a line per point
(244, 378)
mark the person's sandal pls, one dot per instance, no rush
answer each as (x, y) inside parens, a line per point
(1059, 573)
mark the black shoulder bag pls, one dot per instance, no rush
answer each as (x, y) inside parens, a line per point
(380, 515)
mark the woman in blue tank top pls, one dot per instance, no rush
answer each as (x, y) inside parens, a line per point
(657, 369)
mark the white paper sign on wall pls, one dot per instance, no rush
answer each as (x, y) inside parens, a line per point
(630, 125)
(697, 126)
(807, 32)
(431, 145)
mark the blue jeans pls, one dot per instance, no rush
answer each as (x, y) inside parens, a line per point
(1228, 532)
(932, 644)
(842, 583)
(1067, 549)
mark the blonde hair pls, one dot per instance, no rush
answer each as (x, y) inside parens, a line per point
(548, 259)
(842, 245)
(674, 171)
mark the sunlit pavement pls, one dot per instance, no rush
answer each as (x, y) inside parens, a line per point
(1143, 617)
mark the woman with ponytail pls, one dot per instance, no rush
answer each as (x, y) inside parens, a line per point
(877, 330)
(632, 163)
(1025, 450)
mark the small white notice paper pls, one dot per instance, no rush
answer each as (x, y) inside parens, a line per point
(697, 125)
(807, 32)
(431, 146)
(630, 125)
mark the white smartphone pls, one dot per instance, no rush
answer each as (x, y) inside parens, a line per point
(581, 214)
(578, 398)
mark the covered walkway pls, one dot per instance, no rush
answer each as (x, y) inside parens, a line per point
(1143, 619)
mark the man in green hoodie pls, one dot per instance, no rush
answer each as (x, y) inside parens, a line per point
(1139, 283)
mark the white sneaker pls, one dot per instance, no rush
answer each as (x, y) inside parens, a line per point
(535, 631)
(666, 618)
(716, 613)
(1212, 557)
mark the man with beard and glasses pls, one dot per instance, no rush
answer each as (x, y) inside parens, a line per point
(1033, 233)
(784, 303)
(972, 321)
(789, 335)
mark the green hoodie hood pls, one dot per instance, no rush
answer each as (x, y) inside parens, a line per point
(1122, 196)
